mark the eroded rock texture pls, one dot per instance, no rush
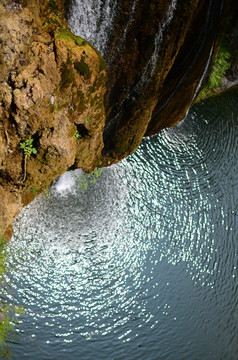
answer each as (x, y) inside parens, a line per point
(156, 72)
(52, 85)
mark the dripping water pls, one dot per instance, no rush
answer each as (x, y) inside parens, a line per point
(93, 20)
(149, 70)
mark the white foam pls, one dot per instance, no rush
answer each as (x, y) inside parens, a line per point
(66, 183)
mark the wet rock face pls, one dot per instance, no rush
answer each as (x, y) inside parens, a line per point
(157, 57)
(52, 85)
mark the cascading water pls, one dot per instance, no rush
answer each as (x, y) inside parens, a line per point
(92, 20)
(150, 67)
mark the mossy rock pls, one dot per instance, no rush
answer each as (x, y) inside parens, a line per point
(67, 77)
(83, 69)
(67, 36)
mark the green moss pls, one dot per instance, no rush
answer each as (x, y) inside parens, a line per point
(53, 4)
(67, 77)
(66, 35)
(50, 21)
(219, 68)
(79, 41)
(80, 101)
(82, 68)
(102, 63)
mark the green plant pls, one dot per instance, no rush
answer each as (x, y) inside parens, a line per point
(83, 182)
(2, 257)
(77, 135)
(35, 189)
(44, 188)
(52, 4)
(94, 175)
(47, 193)
(28, 150)
(219, 67)
(27, 147)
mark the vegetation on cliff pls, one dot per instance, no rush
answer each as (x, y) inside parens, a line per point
(51, 81)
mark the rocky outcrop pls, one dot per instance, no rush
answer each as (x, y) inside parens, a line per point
(155, 77)
(52, 85)
(53, 113)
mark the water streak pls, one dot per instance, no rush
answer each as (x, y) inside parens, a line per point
(151, 65)
(92, 20)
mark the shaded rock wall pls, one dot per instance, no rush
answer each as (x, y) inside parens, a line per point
(154, 79)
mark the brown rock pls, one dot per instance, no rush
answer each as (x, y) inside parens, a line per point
(52, 85)
(155, 75)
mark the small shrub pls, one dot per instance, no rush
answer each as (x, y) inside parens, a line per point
(27, 147)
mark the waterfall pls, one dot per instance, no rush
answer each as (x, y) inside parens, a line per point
(92, 20)
(151, 65)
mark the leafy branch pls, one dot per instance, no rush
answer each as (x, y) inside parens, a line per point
(28, 150)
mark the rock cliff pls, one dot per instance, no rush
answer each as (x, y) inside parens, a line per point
(52, 116)
(62, 108)
(156, 76)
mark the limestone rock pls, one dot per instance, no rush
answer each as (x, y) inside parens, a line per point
(155, 75)
(52, 86)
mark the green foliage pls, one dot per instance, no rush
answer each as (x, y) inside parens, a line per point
(34, 189)
(9, 315)
(2, 257)
(77, 135)
(82, 182)
(43, 188)
(52, 4)
(47, 193)
(82, 68)
(27, 147)
(219, 67)
(66, 35)
(92, 177)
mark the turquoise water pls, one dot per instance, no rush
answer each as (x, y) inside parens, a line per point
(143, 264)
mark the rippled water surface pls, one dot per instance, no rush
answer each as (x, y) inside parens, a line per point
(143, 264)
